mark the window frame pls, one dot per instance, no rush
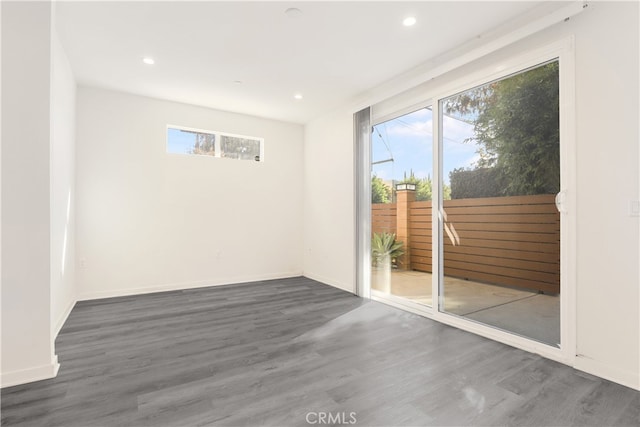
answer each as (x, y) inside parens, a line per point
(218, 141)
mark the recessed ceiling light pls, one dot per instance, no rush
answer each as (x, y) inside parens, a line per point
(409, 21)
(298, 96)
(293, 12)
(238, 82)
(148, 61)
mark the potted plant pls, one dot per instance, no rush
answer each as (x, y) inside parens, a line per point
(384, 252)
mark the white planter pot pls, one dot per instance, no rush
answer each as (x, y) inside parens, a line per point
(381, 275)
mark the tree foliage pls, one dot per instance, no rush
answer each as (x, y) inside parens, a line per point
(239, 148)
(472, 183)
(204, 144)
(516, 127)
(380, 191)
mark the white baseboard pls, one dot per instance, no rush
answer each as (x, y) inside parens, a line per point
(85, 296)
(328, 281)
(38, 373)
(61, 321)
(629, 379)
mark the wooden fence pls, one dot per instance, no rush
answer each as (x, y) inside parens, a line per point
(513, 241)
(383, 217)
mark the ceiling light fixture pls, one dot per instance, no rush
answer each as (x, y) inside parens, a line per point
(293, 12)
(148, 61)
(409, 21)
(298, 96)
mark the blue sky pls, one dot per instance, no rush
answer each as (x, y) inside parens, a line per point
(408, 140)
(179, 142)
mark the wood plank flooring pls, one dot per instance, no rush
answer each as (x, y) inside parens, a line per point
(270, 353)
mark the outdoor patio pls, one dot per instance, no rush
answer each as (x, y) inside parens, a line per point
(527, 313)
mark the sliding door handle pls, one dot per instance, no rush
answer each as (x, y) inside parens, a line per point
(561, 198)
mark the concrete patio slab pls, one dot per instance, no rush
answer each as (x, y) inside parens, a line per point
(526, 313)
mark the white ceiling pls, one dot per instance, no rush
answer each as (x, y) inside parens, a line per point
(331, 53)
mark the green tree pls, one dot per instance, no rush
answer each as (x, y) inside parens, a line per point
(380, 191)
(516, 125)
(469, 183)
(446, 192)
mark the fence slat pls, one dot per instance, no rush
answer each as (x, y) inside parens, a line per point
(501, 218)
(462, 235)
(544, 199)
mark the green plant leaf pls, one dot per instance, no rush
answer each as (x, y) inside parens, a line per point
(385, 244)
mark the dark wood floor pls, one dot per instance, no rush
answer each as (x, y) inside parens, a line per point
(270, 353)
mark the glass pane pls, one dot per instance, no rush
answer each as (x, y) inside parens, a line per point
(181, 141)
(501, 228)
(235, 147)
(401, 170)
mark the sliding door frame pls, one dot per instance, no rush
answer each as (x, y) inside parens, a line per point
(362, 167)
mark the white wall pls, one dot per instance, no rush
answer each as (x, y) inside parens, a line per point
(329, 204)
(608, 254)
(63, 116)
(27, 347)
(608, 285)
(147, 220)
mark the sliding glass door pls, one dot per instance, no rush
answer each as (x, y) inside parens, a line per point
(500, 147)
(465, 218)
